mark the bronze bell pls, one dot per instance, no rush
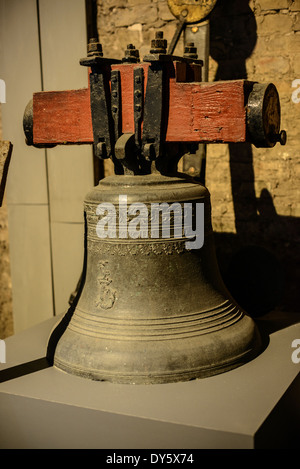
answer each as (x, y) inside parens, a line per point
(153, 309)
(151, 306)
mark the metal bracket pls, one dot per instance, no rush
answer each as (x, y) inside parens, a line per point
(175, 38)
(194, 162)
(100, 115)
(106, 109)
(116, 102)
(125, 152)
(105, 126)
(154, 125)
(138, 87)
(152, 128)
(128, 146)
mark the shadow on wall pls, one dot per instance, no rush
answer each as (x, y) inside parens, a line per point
(261, 263)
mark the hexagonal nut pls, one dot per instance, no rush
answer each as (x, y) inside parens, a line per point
(94, 48)
(190, 50)
(158, 45)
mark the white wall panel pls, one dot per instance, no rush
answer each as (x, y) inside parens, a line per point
(41, 43)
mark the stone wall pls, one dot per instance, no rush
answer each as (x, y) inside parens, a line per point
(6, 315)
(255, 192)
(121, 22)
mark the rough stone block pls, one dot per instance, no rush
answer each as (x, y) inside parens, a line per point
(296, 25)
(295, 6)
(273, 4)
(296, 65)
(137, 14)
(271, 67)
(164, 12)
(276, 24)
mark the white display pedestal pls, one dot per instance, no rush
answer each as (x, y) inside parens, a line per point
(254, 406)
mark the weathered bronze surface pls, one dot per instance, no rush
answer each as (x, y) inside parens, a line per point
(151, 310)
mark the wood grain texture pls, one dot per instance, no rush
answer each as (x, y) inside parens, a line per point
(207, 112)
(62, 117)
(196, 112)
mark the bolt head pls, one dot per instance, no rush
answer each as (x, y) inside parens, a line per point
(159, 44)
(94, 48)
(190, 51)
(132, 54)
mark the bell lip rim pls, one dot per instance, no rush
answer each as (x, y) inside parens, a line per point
(163, 377)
